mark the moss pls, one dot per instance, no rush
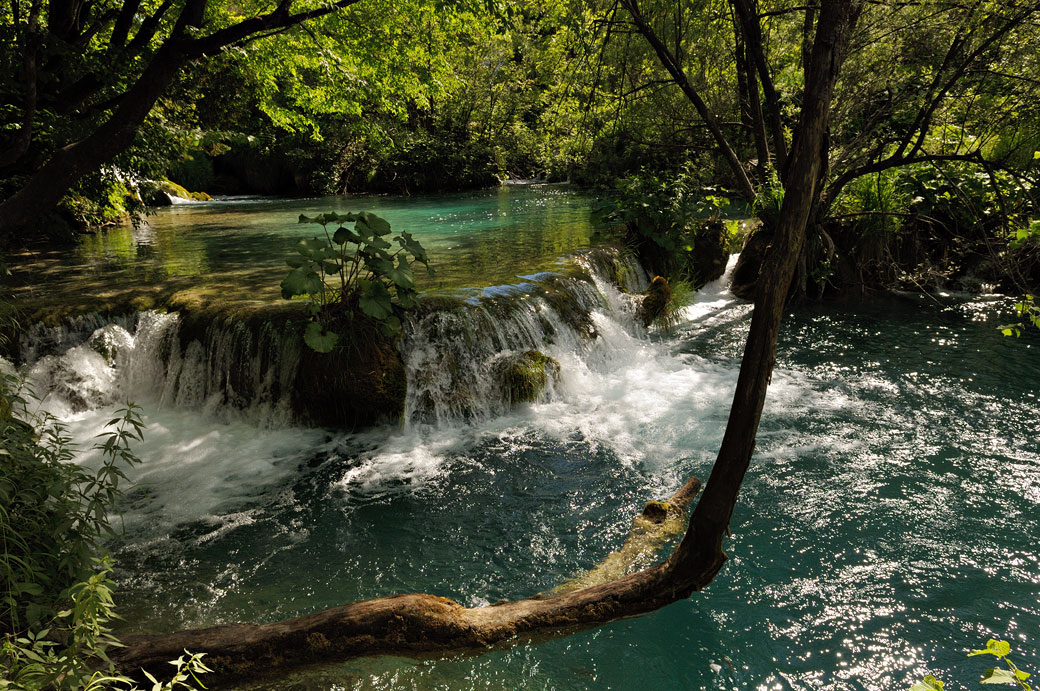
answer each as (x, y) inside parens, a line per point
(158, 193)
(525, 376)
(655, 302)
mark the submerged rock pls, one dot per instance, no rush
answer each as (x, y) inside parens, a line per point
(524, 376)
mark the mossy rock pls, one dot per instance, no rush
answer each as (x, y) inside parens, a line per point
(655, 301)
(524, 376)
(707, 261)
(356, 385)
(161, 192)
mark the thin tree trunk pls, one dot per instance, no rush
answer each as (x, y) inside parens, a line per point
(702, 546)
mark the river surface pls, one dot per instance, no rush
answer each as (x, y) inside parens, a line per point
(235, 248)
(889, 521)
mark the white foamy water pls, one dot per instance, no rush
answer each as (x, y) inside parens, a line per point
(639, 397)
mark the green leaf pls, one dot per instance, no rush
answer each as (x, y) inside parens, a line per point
(330, 267)
(929, 683)
(319, 339)
(993, 647)
(295, 262)
(379, 243)
(376, 306)
(344, 235)
(300, 281)
(312, 248)
(999, 675)
(378, 224)
(401, 275)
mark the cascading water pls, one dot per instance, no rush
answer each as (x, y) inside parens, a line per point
(454, 356)
(886, 523)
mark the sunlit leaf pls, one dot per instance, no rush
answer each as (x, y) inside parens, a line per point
(999, 675)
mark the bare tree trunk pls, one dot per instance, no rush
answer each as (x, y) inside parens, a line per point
(414, 624)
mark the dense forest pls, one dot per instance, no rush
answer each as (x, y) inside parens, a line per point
(844, 148)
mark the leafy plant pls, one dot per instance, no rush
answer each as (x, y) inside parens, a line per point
(663, 210)
(36, 660)
(1027, 310)
(55, 591)
(352, 270)
(1009, 675)
(53, 513)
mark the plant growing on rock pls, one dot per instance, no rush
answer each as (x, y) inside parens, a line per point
(353, 270)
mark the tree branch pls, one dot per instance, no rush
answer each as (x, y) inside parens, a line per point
(668, 61)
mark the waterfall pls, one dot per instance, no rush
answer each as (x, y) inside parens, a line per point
(455, 356)
(457, 351)
(229, 369)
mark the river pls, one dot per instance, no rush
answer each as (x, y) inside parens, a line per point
(888, 523)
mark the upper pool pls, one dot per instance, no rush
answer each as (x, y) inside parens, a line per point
(235, 248)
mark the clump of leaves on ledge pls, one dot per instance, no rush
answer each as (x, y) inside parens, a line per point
(353, 270)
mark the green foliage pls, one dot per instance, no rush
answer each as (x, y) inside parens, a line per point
(373, 277)
(1028, 311)
(1009, 675)
(664, 211)
(55, 591)
(35, 659)
(53, 513)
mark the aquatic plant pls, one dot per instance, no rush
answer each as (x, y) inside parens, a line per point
(372, 279)
(1009, 675)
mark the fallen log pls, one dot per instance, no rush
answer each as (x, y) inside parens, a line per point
(420, 624)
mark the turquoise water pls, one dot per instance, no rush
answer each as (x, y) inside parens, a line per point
(888, 523)
(235, 248)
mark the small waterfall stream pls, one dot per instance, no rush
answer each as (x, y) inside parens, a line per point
(232, 370)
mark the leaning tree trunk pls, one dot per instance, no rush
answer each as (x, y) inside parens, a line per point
(416, 624)
(702, 546)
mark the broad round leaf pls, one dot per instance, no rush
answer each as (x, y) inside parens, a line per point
(319, 339)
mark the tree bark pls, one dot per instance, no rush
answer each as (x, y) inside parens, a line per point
(416, 624)
(702, 546)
